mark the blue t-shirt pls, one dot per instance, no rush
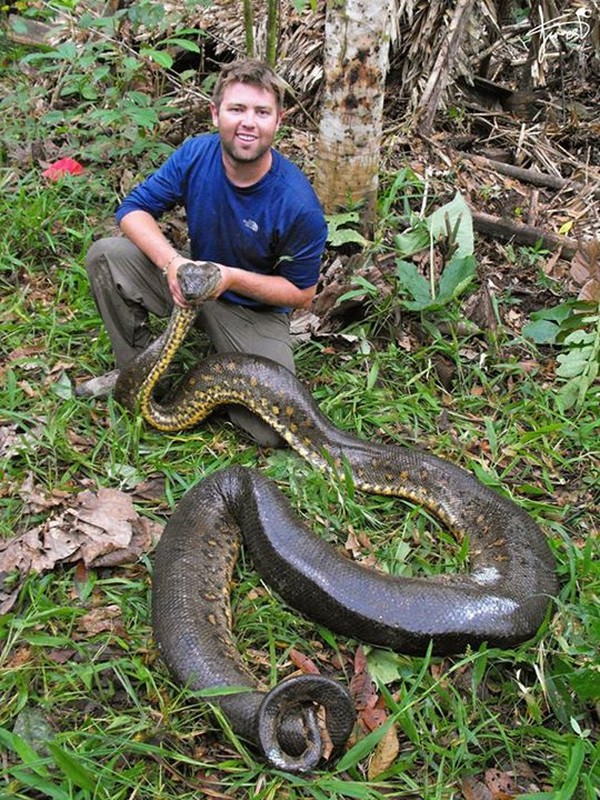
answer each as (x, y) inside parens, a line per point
(275, 227)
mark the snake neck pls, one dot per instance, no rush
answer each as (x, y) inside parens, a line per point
(168, 344)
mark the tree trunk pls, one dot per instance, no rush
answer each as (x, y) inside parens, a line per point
(355, 65)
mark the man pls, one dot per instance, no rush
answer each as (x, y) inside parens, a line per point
(249, 210)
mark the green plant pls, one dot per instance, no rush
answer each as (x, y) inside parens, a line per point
(105, 96)
(448, 231)
(573, 326)
(527, 256)
(341, 229)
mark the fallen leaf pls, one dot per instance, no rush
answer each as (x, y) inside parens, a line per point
(370, 715)
(480, 309)
(37, 499)
(362, 688)
(104, 618)
(102, 530)
(13, 441)
(81, 580)
(501, 785)
(585, 271)
(303, 663)
(351, 544)
(151, 489)
(19, 657)
(384, 754)
(64, 166)
(60, 656)
(372, 718)
(28, 389)
(473, 789)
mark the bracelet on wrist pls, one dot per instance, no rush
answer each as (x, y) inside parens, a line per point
(169, 262)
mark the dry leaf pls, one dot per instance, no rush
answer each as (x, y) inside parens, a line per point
(473, 789)
(501, 785)
(19, 657)
(370, 715)
(362, 688)
(100, 530)
(352, 545)
(384, 754)
(585, 271)
(36, 499)
(104, 618)
(372, 718)
(60, 656)
(303, 663)
(151, 489)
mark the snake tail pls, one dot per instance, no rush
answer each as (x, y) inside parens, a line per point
(191, 620)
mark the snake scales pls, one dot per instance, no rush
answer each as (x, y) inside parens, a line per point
(502, 601)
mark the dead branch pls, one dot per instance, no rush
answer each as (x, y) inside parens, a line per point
(531, 176)
(442, 69)
(507, 230)
(28, 31)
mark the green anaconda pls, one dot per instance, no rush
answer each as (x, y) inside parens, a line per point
(501, 601)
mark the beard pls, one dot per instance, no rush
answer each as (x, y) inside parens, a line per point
(241, 156)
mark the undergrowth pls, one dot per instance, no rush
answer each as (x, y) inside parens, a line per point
(88, 709)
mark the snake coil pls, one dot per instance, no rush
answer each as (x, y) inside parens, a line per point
(502, 601)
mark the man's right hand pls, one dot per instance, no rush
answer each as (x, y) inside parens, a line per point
(173, 280)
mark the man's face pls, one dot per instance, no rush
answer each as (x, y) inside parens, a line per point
(247, 119)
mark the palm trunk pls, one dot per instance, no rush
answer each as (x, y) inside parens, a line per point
(355, 65)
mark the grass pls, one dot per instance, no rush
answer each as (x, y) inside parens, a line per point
(89, 711)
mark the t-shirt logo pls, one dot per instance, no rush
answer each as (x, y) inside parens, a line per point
(251, 224)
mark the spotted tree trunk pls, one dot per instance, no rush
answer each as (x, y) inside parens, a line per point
(355, 65)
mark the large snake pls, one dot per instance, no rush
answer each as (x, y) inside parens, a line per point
(502, 601)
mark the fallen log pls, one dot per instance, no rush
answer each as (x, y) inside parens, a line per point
(531, 176)
(28, 31)
(507, 230)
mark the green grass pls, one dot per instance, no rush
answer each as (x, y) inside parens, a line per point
(88, 713)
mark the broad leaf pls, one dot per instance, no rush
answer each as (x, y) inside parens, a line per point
(457, 275)
(541, 331)
(160, 57)
(411, 242)
(454, 216)
(415, 284)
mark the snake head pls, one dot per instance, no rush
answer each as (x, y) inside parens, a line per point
(198, 280)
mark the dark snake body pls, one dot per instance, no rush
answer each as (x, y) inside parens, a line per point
(502, 601)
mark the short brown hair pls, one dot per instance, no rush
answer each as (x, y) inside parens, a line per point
(252, 71)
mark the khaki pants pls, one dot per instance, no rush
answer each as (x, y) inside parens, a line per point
(127, 287)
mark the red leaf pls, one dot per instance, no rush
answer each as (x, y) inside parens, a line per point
(62, 167)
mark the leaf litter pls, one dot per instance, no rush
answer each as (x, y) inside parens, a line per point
(98, 529)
